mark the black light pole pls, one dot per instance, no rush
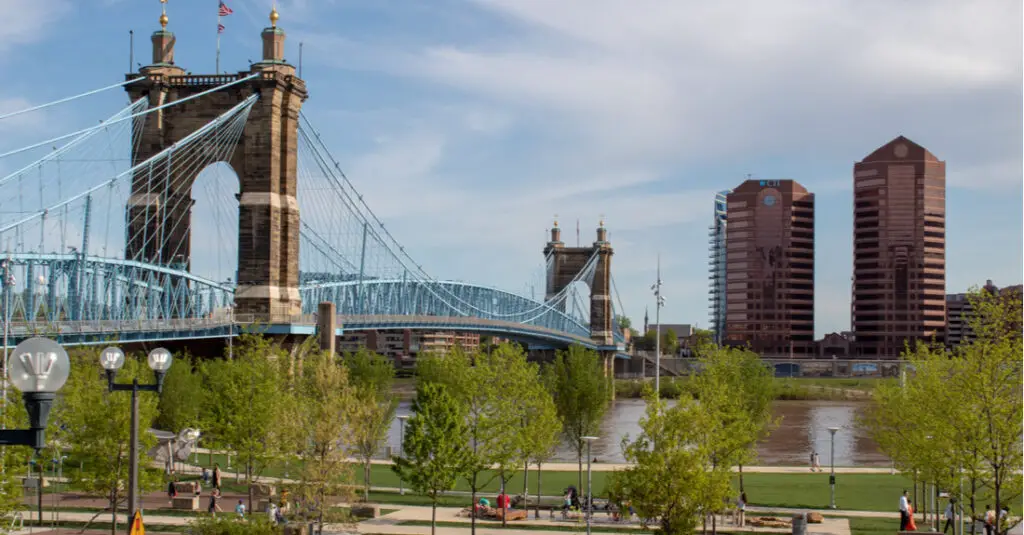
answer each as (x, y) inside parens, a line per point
(832, 461)
(38, 367)
(112, 360)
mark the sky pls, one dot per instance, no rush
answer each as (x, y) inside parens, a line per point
(469, 124)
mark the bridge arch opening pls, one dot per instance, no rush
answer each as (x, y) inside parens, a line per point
(214, 224)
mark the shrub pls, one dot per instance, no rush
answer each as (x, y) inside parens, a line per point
(233, 525)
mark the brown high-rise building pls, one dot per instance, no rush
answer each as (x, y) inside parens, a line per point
(769, 268)
(899, 249)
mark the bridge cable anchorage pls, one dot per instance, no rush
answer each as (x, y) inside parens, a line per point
(55, 155)
(402, 258)
(140, 114)
(69, 99)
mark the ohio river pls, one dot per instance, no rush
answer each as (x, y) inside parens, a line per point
(803, 429)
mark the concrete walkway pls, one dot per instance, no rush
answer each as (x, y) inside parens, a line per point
(388, 524)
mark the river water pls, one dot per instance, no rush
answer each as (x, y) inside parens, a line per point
(802, 430)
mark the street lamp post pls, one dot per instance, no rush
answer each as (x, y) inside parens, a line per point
(38, 367)
(401, 449)
(159, 361)
(832, 461)
(659, 302)
(590, 487)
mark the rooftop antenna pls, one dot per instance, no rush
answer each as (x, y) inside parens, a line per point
(577, 232)
(131, 51)
(300, 59)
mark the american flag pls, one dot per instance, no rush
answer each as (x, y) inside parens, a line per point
(224, 10)
(220, 28)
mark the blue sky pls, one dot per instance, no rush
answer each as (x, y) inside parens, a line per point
(468, 124)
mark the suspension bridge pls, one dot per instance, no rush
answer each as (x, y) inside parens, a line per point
(101, 239)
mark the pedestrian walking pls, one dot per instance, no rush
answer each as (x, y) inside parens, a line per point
(741, 510)
(911, 525)
(815, 463)
(904, 511)
(214, 505)
(216, 476)
(950, 516)
(990, 520)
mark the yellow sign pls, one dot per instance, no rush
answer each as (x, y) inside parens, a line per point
(137, 527)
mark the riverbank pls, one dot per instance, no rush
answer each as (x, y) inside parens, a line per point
(786, 389)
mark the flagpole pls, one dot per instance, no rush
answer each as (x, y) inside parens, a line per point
(218, 42)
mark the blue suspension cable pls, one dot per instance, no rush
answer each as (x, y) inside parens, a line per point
(133, 116)
(69, 99)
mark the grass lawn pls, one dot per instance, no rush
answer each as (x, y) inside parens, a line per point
(857, 492)
(873, 526)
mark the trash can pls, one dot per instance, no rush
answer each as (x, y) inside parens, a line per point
(799, 524)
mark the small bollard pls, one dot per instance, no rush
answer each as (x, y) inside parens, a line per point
(799, 524)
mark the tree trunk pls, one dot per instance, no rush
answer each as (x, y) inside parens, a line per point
(113, 510)
(504, 508)
(536, 513)
(579, 471)
(999, 505)
(248, 481)
(366, 479)
(472, 508)
(714, 523)
(741, 479)
(526, 481)
(973, 504)
(433, 515)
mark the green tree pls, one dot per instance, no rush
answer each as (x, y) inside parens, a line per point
(670, 477)
(541, 432)
(581, 394)
(739, 388)
(246, 402)
(324, 405)
(475, 381)
(372, 377)
(624, 322)
(436, 445)
(13, 457)
(181, 402)
(97, 427)
(669, 342)
(965, 408)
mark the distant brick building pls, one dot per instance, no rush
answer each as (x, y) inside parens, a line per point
(769, 268)
(899, 270)
(959, 313)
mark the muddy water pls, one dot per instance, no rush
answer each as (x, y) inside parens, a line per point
(802, 430)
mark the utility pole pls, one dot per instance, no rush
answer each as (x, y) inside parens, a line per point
(659, 302)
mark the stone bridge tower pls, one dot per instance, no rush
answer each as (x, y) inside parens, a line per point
(264, 159)
(567, 262)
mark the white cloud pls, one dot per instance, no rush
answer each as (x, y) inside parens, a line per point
(628, 105)
(26, 20)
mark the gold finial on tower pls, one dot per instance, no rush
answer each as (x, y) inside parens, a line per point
(274, 16)
(601, 222)
(556, 220)
(163, 14)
